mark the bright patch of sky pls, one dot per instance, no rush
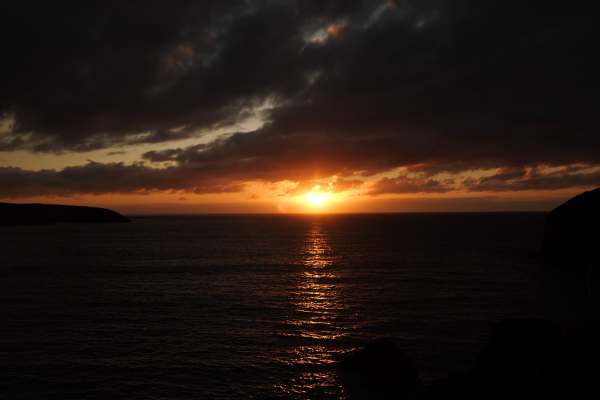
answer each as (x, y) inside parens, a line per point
(127, 154)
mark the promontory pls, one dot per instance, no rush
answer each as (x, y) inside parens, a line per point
(38, 214)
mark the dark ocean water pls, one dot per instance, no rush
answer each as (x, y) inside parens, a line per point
(222, 307)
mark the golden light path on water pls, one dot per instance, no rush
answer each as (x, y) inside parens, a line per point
(318, 306)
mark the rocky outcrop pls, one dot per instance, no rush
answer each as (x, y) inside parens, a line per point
(37, 214)
(571, 258)
(380, 370)
(523, 359)
(571, 231)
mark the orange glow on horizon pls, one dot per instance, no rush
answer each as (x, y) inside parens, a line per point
(287, 199)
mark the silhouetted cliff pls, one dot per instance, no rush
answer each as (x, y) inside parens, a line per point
(572, 278)
(572, 229)
(35, 214)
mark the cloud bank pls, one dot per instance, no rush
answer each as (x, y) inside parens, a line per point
(346, 88)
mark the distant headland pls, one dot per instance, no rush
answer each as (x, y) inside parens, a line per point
(42, 214)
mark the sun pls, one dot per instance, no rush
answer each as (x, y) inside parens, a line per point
(316, 197)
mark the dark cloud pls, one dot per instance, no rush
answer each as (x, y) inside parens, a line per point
(98, 178)
(354, 87)
(449, 86)
(534, 180)
(81, 77)
(404, 184)
(503, 180)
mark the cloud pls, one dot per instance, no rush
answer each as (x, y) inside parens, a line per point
(435, 87)
(404, 184)
(98, 178)
(464, 91)
(80, 78)
(509, 179)
(532, 179)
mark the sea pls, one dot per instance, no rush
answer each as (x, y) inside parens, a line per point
(253, 306)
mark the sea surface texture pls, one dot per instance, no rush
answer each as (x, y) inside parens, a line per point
(226, 307)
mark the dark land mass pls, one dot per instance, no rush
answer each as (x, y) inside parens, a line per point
(41, 214)
(571, 258)
(572, 228)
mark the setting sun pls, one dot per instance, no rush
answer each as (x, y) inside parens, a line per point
(317, 198)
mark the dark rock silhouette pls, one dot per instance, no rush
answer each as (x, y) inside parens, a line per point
(380, 370)
(537, 359)
(571, 258)
(523, 359)
(572, 229)
(35, 214)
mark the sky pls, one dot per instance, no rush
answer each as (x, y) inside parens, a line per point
(299, 106)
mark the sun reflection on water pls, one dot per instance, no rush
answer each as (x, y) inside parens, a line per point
(315, 322)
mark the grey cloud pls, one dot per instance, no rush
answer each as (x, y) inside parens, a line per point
(434, 86)
(404, 184)
(98, 178)
(536, 181)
